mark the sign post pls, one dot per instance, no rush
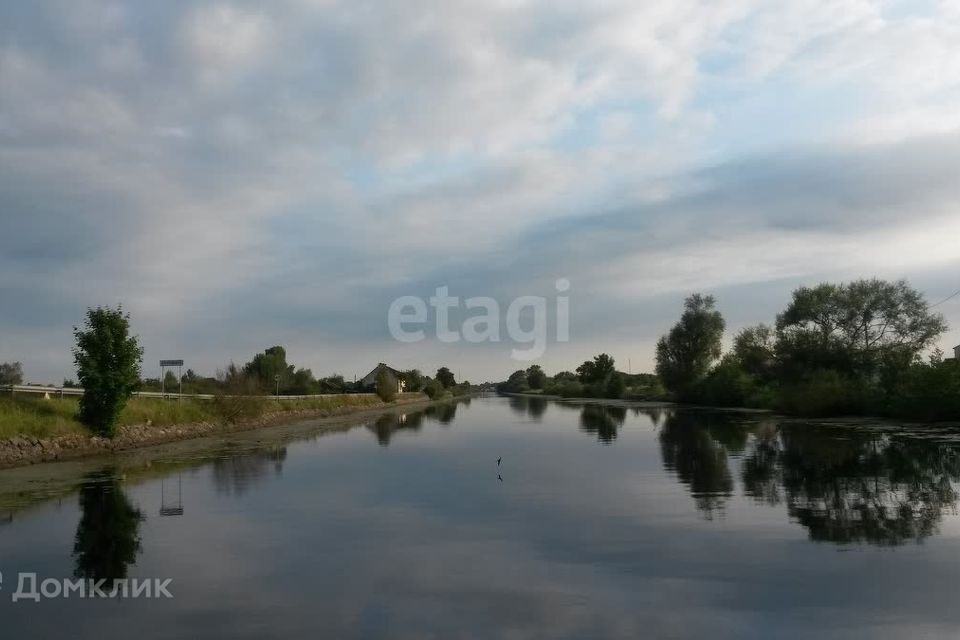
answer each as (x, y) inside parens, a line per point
(171, 363)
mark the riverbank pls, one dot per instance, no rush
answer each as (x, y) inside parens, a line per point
(51, 433)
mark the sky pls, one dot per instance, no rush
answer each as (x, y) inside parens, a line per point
(244, 174)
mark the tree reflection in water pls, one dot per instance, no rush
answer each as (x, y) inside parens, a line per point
(389, 423)
(696, 446)
(528, 406)
(852, 486)
(108, 535)
(844, 484)
(602, 421)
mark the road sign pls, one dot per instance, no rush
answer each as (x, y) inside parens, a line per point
(171, 363)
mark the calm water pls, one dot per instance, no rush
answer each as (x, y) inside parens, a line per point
(600, 523)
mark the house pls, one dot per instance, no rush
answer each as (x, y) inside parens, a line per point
(956, 356)
(369, 381)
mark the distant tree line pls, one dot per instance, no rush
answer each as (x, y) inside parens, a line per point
(596, 378)
(853, 348)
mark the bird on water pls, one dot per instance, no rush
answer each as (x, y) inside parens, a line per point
(498, 461)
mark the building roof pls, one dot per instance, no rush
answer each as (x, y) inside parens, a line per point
(377, 369)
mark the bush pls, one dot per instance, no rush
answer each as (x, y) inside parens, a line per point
(727, 385)
(928, 392)
(386, 386)
(615, 387)
(108, 367)
(239, 397)
(823, 393)
(434, 390)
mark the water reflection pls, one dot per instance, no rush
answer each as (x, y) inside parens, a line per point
(843, 484)
(528, 406)
(389, 423)
(235, 474)
(849, 485)
(108, 535)
(602, 421)
(696, 447)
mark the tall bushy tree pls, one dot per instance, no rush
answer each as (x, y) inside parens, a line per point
(412, 379)
(267, 365)
(445, 377)
(855, 328)
(108, 366)
(386, 386)
(536, 378)
(754, 351)
(685, 354)
(596, 371)
(11, 373)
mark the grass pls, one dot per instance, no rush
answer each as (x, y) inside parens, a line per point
(33, 416)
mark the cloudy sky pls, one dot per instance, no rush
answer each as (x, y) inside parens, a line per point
(243, 174)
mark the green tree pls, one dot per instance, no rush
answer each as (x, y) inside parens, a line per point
(11, 373)
(536, 378)
(596, 371)
(516, 383)
(434, 389)
(615, 386)
(857, 328)
(267, 365)
(302, 383)
(754, 351)
(108, 366)
(386, 386)
(413, 380)
(445, 377)
(685, 354)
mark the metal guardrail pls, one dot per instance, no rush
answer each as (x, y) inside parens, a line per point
(60, 392)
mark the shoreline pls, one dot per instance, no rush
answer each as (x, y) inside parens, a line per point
(25, 451)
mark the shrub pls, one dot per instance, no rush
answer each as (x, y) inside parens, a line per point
(615, 387)
(821, 393)
(239, 397)
(434, 390)
(108, 367)
(386, 386)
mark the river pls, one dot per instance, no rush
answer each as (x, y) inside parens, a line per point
(599, 522)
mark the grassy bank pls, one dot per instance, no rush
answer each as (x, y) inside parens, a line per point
(36, 417)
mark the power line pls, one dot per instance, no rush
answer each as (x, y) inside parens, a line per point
(949, 297)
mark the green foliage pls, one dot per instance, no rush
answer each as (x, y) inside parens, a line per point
(413, 380)
(855, 328)
(685, 354)
(266, 366)
(445, 377)
(596, 371)
(386, 386)
(754, 351)
(536, 378)
(615, 386)
(108, 367)
(239, 396)
(928, 391)
(727, 385)
(434, 390)
(11, 373)
(516, 383)
(825, 392)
